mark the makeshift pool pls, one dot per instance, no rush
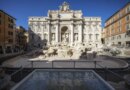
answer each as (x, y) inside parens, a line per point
(41, 79)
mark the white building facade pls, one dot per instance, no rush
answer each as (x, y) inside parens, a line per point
(64, 27)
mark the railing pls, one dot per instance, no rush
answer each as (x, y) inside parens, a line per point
(65, 64)
(19, 74)
(74, 64)
(107, 74)
(106, 71)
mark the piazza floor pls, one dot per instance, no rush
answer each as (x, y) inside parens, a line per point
(102, 62)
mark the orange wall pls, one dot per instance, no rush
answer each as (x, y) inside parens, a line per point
(4, 27)
(115, 24)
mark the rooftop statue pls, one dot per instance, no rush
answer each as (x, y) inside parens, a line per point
(64, 6)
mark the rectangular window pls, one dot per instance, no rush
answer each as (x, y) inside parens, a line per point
(121, 14)
(119, 23)
(10, 26)
(118, 15)
(127, 18)
(112, 31)
(128, 43)
(119, 36)
(10, 40)
(8, 19)
(8, 49)
(112, 20)
(112, 38)
(112, 26)
(10, 33)
(128, 26)
(119, 28)
(119, 43)
(11, 20)
(128, 9)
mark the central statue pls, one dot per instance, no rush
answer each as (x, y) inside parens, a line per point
(64, 34)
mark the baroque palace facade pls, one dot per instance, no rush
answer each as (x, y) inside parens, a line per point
(64, 27)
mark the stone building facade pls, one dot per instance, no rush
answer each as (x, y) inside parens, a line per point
(20, 38)
(64, 27)
(117, 28)
(7, 32)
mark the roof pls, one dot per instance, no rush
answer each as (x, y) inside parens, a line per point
(7, 14)
(118, 11)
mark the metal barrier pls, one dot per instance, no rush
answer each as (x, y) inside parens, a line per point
(74, 65)
(64, 64)
(20, 74)
(106, 71)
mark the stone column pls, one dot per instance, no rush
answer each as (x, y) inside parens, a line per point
(80, 33)
(57, 33)
(71, 34)
(42, 32)
(49, 31)
(60, 27)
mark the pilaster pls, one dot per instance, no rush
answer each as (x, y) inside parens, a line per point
(57, 33)
(49, 32)
(80, 33)
(72, 33)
